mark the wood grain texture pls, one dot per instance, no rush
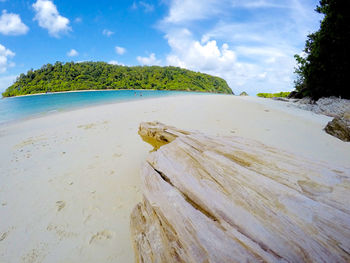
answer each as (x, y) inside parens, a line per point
(229, 199)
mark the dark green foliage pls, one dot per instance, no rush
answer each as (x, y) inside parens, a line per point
(100, 75)
(325, 69)
(273, 95)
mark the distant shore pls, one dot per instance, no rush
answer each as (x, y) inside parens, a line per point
(77, 172)
(87, 90)
(71, 91)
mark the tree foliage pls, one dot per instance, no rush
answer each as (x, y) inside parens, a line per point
(324, 70)
(274, 95)
(100, 75)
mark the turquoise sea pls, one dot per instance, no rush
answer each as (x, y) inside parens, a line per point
(17, 108)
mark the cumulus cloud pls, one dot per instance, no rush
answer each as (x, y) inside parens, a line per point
(253, 53)
(114, 62)
(11, 24)
(120, 50)
(49, 18)
(150, 60)
(5, 55)
(72, 53)
(191, 53)
(107, 32)
(207, 57)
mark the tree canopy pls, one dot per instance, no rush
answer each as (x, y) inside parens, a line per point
(323, 72)
(274, 95)
(101, 75)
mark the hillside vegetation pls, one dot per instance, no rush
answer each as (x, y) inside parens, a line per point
(324, 70)
(273, 95)
(101, 75)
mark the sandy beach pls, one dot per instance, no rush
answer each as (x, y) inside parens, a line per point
(70, 180)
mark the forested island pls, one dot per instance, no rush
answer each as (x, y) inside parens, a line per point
(100, 76)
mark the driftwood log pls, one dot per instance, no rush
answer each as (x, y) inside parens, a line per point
(229, 199)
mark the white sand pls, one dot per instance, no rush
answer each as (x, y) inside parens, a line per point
(69, 181)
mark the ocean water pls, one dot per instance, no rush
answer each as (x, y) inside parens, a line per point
(17, 108)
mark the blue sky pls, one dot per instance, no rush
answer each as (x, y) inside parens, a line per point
(249, 43)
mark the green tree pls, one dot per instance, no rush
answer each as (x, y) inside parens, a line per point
(324, 70)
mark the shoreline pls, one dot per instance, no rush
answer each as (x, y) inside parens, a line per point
(70, 91)
(53, 112)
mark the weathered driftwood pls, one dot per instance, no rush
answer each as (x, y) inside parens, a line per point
(229, 199)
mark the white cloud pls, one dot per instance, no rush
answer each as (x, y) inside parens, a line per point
(182, 11)
(72, 53)
(207, 57)
(5, 55)
(6, 81)
(114, 62)
(49, 18)
(249, 43)
(257, 4)
(11, 24)
(150, 60)
(147, 8)
(107, 32)
(120, 50)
